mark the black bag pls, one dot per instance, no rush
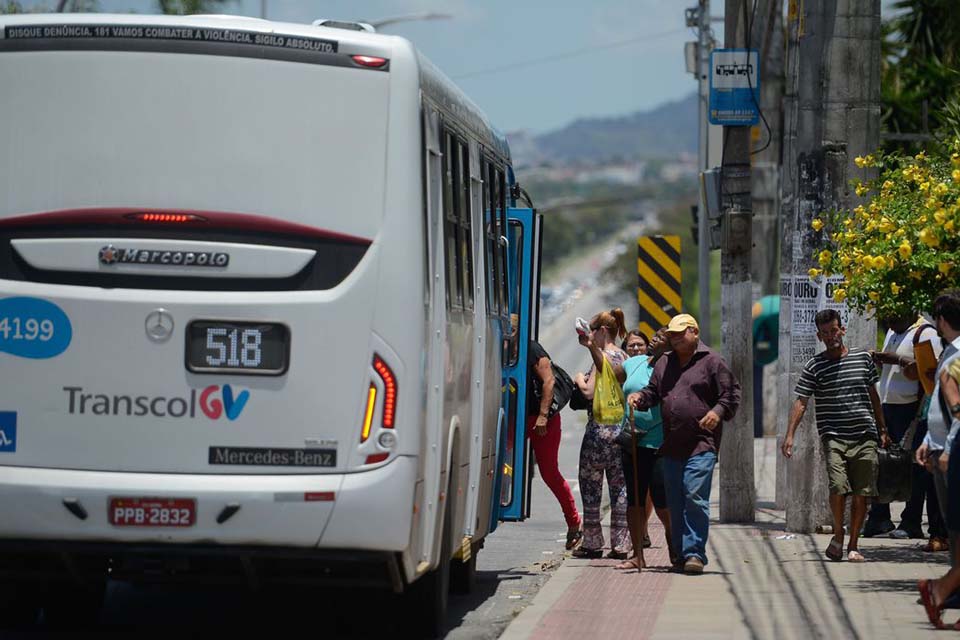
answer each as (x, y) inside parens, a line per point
(894, 474)
(895, 468)
(578, 401)
(562, 389)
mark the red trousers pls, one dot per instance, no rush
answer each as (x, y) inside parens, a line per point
(547, 448)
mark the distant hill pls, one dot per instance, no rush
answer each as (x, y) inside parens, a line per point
(663, 132)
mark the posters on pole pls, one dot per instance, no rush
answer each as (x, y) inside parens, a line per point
(807, 297)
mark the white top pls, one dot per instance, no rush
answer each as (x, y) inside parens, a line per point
(893, 387)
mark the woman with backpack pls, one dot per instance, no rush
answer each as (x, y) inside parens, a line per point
(550, 391)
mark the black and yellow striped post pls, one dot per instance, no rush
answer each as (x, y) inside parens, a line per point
(658, 290)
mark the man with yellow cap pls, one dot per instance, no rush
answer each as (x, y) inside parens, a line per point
(696, 391)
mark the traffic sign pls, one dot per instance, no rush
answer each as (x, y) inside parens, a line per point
(734, 87)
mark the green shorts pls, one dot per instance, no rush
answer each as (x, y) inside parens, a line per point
(851, 466)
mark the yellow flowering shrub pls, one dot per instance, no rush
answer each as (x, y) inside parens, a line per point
(900, 250)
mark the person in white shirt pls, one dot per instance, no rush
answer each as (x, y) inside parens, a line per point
(901, 395)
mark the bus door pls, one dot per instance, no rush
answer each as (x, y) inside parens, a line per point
(523, 269)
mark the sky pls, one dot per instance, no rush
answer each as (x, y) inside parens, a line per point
(529, 64)
(532, 65)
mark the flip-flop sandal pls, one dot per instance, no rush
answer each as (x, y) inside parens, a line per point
(834, 551)
(632, 563)
(581, 552)
(934, 613)
(855, 556)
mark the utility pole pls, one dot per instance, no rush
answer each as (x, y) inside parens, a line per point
(737, 488)
(832, 115)
(766, 34)
(704, 46)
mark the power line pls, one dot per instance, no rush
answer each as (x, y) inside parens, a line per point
(569, 54)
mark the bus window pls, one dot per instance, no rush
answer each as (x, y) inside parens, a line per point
(515, 252)
(501, 203)
(450, 222)
(490, 263)
(466, 229)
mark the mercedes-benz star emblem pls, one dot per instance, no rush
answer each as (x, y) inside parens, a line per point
(108, 255)
(159, 325)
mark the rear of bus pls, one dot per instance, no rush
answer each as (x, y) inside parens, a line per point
(206, 344)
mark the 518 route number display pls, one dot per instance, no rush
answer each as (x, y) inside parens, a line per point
(257, 348)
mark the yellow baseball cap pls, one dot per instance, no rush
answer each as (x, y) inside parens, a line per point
(681, 322)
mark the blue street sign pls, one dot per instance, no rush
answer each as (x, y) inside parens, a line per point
(734, 87)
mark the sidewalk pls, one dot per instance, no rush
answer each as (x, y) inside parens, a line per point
(758, 584)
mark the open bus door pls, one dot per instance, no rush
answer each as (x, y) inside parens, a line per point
(514, 455)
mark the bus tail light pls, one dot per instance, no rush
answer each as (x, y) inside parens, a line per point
(388, 408)
(368, 415)
(370, 61)
(389, 391)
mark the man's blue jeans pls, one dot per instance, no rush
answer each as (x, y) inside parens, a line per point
(688, 498)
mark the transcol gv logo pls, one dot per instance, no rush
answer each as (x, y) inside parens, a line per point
(213, 401)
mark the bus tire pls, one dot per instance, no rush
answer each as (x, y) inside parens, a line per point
(429, 595)
(463, 575)
(71, 606)
(19, 606)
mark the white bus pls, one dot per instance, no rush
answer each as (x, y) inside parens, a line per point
(255, 289)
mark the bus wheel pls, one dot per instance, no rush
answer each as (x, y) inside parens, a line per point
(463, 575)
(19, 606)
(70, 606)
(429, 594)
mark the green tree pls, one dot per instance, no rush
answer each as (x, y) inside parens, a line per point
(921, 52)
(187, 7)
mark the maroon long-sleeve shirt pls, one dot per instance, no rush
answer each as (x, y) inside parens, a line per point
(685, 394)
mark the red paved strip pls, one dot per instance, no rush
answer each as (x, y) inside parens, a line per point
(603, 601)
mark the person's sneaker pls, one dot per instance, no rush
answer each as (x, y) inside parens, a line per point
(873, 529)
(693, 566)
(906, 534)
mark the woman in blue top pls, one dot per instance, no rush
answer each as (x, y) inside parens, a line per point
(649, 468)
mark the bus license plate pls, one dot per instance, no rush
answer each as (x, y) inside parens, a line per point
(152, 512)
(219, 346)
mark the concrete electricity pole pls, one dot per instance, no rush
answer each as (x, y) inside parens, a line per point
(832, 115)
(766, 34)
(737, 489)
(704, 46)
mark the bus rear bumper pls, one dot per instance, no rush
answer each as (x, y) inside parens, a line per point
(369, 510)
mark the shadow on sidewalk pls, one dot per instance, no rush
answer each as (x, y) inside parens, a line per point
(877, 586)
(904, 554)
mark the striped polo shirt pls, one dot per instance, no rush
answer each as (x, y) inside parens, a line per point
(841, 388)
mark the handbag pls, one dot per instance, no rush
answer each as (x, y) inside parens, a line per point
(630, 433)
(578, 401)
(562, 389)
(608, 398)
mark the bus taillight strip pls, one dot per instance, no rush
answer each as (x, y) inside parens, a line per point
(207, 220)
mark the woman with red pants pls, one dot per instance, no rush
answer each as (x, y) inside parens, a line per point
(543, 429)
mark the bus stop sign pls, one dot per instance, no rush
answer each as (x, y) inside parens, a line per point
(734, 87)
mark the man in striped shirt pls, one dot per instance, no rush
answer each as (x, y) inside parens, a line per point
(849, 421)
